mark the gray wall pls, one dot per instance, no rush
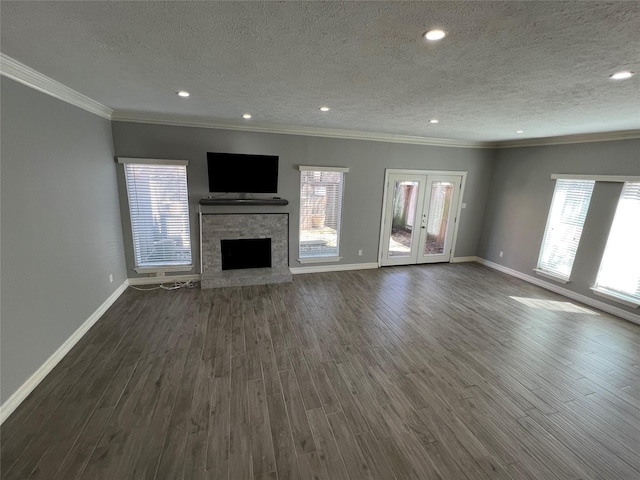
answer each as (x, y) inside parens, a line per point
(367, 161)
(520, 197)
(61, 235)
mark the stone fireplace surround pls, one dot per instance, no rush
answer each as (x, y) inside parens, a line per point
(216, 227)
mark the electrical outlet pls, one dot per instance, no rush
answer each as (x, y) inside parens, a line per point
(464, 205)
(501, 254)
(159, 274)
(359, 253)
(111, 278)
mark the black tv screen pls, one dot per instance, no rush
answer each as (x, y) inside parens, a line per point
(239, 173)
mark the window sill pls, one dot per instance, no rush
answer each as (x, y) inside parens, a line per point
(165, 268)
(551, 276)
(319, 259)
(617, 297)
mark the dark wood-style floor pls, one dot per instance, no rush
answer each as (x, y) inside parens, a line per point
(425, 372)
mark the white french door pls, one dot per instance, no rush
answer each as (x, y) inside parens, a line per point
(420, 215)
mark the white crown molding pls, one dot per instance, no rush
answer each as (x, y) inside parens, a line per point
(568, 139)
(605, 307)
(186, 121)
(32, 382)
(21, 73)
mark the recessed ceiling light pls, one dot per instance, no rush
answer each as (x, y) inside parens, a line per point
(324, 109)
(246, 116)
(621, 75)
(183, 93)
(433, 121)
(434, 35)
(519, 131)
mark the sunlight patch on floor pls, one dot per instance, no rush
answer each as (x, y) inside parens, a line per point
(553, 305)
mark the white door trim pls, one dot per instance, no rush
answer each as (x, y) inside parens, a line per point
(390, 171)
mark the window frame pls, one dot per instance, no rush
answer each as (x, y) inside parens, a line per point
(621, 297)
(544, 272)
(159, 267)
(322, 258)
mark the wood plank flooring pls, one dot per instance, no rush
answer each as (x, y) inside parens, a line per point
(423, 372)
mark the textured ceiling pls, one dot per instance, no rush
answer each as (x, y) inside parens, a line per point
(541, 66)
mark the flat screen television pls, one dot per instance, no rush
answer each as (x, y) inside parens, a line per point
(240, 173)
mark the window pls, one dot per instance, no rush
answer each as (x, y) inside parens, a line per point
(564, 227)
(619, 272)
(321, 191)
(159, 208)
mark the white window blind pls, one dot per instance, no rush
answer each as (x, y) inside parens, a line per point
(321, 193)
(159, 208)
(564, 226)
(620, 267)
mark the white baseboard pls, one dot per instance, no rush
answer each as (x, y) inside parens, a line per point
(27, 387)
(333, 268)
(605, 307)
(167, 279)
(464, 259)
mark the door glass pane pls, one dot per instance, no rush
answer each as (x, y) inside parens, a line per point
(405, 198)
(438, 215)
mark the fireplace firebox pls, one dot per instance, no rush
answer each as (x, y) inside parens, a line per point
(246, 253)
